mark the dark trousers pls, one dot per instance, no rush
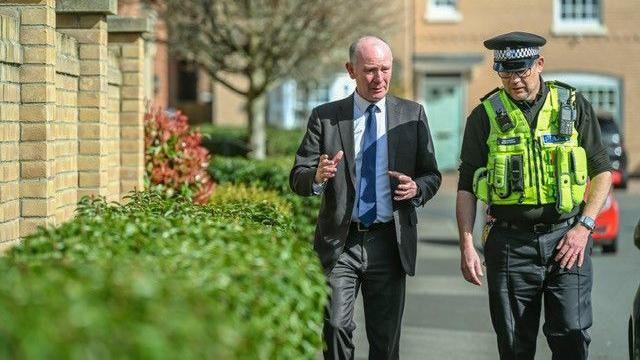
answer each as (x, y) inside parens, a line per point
(521, 272)
(370, 260)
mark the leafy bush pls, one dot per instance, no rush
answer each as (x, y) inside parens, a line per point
(270, 174)
(225, 141)
(174, 160)
(232, 141)
(118, 310)
(160, 277)
(243, 201)
(281, 142)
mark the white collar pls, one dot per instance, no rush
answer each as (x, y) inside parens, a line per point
(362, 104)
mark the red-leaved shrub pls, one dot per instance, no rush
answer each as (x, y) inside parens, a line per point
(174, 160)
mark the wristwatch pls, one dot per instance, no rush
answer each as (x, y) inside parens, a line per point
(587, 222)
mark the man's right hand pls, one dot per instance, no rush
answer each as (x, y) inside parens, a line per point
(327, 167)
(470, 265)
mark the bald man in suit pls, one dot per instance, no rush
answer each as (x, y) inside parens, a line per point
(370, 156)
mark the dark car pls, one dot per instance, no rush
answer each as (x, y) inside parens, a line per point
(634, 320)
(612, 140)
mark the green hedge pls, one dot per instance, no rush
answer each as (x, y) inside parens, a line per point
(232, 141)
(163, 278)
(270, 174)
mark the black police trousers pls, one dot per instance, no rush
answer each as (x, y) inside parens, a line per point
(521, 272)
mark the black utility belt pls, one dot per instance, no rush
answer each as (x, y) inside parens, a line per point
(536, 228)
(357, 226)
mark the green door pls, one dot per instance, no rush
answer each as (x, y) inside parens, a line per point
(442, 98)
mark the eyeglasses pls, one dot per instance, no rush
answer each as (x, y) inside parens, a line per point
(521, 74)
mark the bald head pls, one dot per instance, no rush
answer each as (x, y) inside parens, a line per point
(370, 63)
(366, 45)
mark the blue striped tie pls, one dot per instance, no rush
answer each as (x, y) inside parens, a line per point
(367, 198)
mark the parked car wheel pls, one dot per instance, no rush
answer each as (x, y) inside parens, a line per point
(610, 248)
(623, 183)
(630, 331)
(634, 319)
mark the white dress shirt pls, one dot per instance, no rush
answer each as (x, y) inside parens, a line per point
(384, 207)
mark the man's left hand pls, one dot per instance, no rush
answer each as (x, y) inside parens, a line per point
(571, 247)
(407, 188)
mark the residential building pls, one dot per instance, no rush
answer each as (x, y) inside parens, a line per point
(440, 61)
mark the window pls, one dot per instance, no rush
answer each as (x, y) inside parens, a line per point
(187, 81)
(442, 11)
(578, 17)
(603, 92)
(290, 103)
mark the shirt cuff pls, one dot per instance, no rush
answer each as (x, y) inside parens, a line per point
(416, 201)
(318, 188)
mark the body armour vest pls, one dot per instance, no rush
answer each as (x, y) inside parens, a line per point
(528, 166)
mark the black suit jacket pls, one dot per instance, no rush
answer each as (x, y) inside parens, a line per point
(410, 151)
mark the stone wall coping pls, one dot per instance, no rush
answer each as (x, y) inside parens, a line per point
(128, 24)
(105, 7)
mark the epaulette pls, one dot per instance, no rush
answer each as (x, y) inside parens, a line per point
(564, 85)
(489, 94)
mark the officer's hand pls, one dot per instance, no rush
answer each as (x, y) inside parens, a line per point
(407, 189)
(470, 265)
(571, 247)
(327, 167)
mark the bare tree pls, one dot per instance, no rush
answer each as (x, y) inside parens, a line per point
(265, 41)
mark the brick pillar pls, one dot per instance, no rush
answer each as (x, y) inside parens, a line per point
(10, 60)
(113, 128)
(37, 114)
(66, 127)
(126, 39)
(86, 21)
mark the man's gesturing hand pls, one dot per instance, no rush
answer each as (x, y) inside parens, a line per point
(407, 189)
(327, 167)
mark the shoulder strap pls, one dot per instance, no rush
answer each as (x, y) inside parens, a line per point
(489, 94)
(560, 84)
(501, 115)
(496, 104)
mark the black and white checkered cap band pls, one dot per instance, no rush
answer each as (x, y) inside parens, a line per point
(514, 54)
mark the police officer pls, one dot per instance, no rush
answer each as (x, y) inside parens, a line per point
(527, 152)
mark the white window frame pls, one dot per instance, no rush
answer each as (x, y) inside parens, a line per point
(583, 81)
(572, 27)
(442, 14)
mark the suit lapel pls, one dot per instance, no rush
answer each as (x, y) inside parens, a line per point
(393, 120)
(345, 127)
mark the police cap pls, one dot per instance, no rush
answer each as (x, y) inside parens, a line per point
(515, 51)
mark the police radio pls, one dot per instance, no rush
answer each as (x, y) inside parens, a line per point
(517, 177)
(504, 122)
(568, 113)
(566, 119)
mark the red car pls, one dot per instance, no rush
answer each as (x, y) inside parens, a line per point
(605, 233)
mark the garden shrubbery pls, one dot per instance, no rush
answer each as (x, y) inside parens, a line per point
(175, 161)
(232, 141)
(271, 174)
(159, 277)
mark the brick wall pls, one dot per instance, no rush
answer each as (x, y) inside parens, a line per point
(37, 114)
(112, 133)
(10, 59)
(614, 52)
(126, 42)
(65, 127)
(65, 104)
